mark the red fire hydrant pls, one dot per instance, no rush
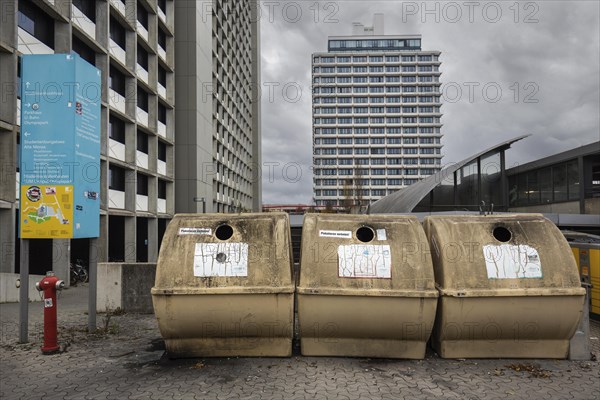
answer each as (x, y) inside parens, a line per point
(50, 285)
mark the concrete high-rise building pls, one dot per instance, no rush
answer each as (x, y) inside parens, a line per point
(218, 116)
(132, 43)
(376, 115)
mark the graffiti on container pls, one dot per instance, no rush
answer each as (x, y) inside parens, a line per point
(364, 261)
(508, 261)
(221, 259)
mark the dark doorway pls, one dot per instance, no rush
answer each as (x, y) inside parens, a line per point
(116, 238)
(141, 246)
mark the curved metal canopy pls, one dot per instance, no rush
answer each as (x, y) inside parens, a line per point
(406, 199)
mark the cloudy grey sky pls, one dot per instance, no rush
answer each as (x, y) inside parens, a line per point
(544, 57)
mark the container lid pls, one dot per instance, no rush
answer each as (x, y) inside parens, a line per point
(525, 253)
(225, 253)
(365, 255)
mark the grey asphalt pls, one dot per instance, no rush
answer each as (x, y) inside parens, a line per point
(126, 360)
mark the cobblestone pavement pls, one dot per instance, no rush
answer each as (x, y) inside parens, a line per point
(126, 360)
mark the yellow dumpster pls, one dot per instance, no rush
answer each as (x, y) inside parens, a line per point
(366, 287)
(224, 286)
(509, 287)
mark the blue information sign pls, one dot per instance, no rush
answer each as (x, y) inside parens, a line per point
(60, 147)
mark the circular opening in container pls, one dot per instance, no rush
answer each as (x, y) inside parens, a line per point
(224, 232)
(365, 234)
(502, 234)
(221, 257)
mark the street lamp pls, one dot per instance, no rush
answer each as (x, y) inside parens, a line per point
(203, 201)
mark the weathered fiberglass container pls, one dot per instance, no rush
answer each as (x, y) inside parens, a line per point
(366, 286)
(509, 287)
(224, 286)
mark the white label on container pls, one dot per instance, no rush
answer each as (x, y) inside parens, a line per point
(381, 235)
(47, 303)
(195, 231)
(508, 261)
(221, 259)
(336, 234)
(364, 261)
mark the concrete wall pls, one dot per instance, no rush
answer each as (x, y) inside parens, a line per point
(9, 293)
(125, 286)
(256, 119)
(194, 168)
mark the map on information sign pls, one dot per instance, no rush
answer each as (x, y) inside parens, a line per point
(47, 210)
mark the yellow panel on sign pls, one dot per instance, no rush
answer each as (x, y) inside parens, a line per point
(46, 211)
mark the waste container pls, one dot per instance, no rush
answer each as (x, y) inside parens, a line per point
(224, 286)
(509, 287)
(586, 249)
(366, 286)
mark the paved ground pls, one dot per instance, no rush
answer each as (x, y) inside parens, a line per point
(127, 361)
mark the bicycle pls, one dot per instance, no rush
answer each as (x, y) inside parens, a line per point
(78, 273)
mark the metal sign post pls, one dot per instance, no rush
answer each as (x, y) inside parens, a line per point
(24, 293)
(93, 285)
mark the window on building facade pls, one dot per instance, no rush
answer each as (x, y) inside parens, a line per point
(142, 15)
(142, 142)
(116, 178)
(162, 113)
(116, 129)
(117, 33)
(162, 39)
(162, 189)
(88, 8)
(36, 22)
(142, 184)
(83, 50)
(142, 99)
(142, 57)
(162, 151)
(116, 80)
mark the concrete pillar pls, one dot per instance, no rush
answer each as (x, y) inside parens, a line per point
(130, 239)
(256, 162)
(7, 239)
(63, 33)
(130, 190)
(152, 240)
(102, 241)
(130, 143)
(8, 27)
(9, 88)
(102, 22)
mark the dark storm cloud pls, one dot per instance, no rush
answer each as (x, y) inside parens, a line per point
(506, 70)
